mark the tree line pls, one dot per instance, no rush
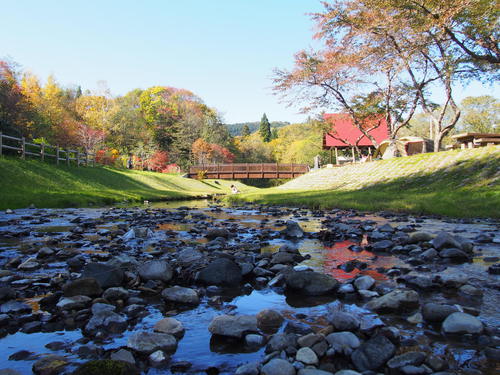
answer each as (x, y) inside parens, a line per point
(158, 127)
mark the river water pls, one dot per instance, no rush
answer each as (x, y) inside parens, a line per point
(33, 228)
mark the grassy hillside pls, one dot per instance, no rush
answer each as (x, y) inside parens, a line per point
(25, 182)
(460, 183)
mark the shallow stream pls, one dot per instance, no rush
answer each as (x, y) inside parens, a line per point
(36, 228)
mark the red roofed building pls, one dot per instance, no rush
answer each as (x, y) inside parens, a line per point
(344, 134)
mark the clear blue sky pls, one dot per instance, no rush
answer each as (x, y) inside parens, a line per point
(222, 50)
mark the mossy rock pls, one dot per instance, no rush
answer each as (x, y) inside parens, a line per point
(106, 367)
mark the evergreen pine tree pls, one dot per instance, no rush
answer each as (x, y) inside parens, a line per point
(265, 129)
(245, 131)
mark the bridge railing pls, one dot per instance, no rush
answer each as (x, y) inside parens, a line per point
(248, 170)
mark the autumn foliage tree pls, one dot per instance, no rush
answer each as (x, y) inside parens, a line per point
(379, 59)
(15, 109)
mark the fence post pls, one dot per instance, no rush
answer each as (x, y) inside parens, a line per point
(57, 155)
(78, 158)
(67, 156)
(93, 159)
(1, 143)
(23, 147)
(42, 151)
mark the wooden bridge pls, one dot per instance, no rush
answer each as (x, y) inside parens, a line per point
(247, 170)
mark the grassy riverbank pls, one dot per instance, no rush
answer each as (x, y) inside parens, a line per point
(459, 183)
(25, 182)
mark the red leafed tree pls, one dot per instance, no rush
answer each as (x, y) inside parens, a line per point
(158, 161)
(206, 153)
(90, 138)
(221, 154)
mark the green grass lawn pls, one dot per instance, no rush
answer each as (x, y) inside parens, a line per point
(25, 182)
(467, 185)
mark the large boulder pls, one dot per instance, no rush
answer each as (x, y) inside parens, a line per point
(395, 301)
(310, 283)
(373, 354)
(221, 271)
(156, 270)
(86, 286)
(105, 274)
(181, 294)
(233, 326)
(460, 322)
(149, 342)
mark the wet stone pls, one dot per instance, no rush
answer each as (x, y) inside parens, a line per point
(103, 316)
(82, 287)
(123, 355)
(310, 283)
(221, 271)
(14, 307)
(106, 275)
(49, 365)
(269, 320)
(181, 295)
(148, 342)
(255, 341)
(278, 367)
(343, 342)
(233, 326)
(373, 353)
(364, 282)
(307, 356)
(115, 293)
(73, 303)
(459, 322)
(106, 367)
(158, 270)
(171, 326)
(248, 369)
(397, 300)
(409, 358)
(343, 321)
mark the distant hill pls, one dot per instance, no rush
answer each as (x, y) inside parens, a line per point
(235, 129)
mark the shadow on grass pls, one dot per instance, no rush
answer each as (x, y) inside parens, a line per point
(469, 189)
(23, 182)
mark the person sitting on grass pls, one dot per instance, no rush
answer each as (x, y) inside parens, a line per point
(234, 189)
